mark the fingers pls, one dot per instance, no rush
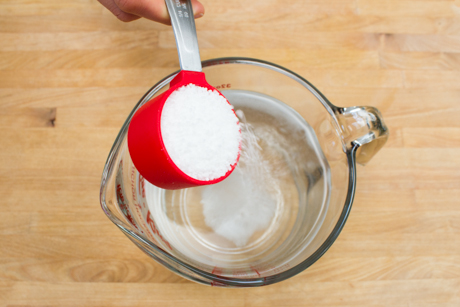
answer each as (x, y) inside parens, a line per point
(151, 9)
(198, 9)
(112, 7)
(128, 10)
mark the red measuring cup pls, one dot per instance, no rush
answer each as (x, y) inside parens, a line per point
(145, 143)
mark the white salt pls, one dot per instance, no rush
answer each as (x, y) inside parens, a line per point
(237, 207)
(200, 132)
(246, 201)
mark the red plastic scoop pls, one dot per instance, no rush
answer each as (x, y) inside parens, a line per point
(145, 141)
(146, 145)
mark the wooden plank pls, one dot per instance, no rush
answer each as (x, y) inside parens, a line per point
(55, 247)
(397, 222)
(58, 194)
(145, 58)
(420, 166)
(434, 179)
(422, 42)
(139, 269)
(395, 102)
(29, 148)
(437, 198)
(78, 40)
(83, 77)
(71, 97)
(431, 79)
(351, 79)
(423, 293)
(74, 221)
(48, 181)
(96, 19)
(404, 200)
(434, 8)
(27, 7)
(107, 116)
(87, 59)
(431, 137)
(420, 60)
(116, 294)
(373, 244)
(30, 117)
(99, 19)
(381, 268)
(274, 39)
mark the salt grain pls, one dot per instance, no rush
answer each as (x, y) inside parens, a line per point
(246, 201)
(200, 132)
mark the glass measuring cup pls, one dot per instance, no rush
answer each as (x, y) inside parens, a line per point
(308, 185)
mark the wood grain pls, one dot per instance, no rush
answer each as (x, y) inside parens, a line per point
(70, 73)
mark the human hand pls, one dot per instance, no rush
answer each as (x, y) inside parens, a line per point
(129, 10)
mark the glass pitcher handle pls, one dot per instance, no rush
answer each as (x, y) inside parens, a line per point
(363, 127)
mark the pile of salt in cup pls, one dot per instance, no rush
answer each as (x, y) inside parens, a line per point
(200, 132)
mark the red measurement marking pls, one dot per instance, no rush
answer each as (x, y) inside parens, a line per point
(155, 230)
(254, 269)
(142, 221)
(123, 206)
(239, 273)
(217, 284)
(120, 193)
(281, 268)
(217, 271)
(142, 186)
(133, 184)
(223, 86)
(130, 219)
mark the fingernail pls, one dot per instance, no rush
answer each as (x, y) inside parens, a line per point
(199, 15)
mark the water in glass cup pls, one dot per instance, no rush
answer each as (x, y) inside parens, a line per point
(274, 201)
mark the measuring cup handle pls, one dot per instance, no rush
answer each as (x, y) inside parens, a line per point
(363, 127)
(183, 24)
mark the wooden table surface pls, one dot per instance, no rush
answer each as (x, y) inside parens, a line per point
(70, 73)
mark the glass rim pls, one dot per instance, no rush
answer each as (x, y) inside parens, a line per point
(230, 281)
